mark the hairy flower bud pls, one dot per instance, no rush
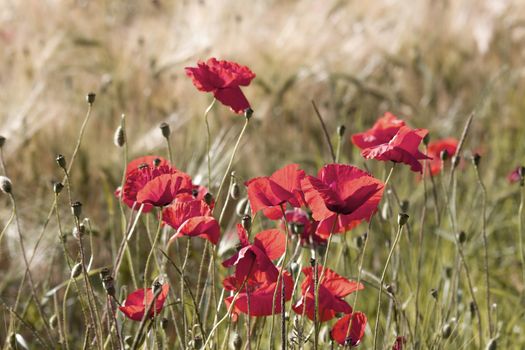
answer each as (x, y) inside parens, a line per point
(446, 331)
(5, 185)
(475, 159)
(492, 344)
(57, 187)
(444, 155)
(246, 222)
(165, 129)
(90, 98)
(402, 219)
(119, 139)
(462, 237)
(79, 231)
(237, 341)
(2, 141)
(76, 209)
(61, 161)
(248, 112)
(235, 191)
(341, 130)
(242, 207)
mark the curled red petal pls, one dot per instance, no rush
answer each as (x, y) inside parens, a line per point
(343, 335)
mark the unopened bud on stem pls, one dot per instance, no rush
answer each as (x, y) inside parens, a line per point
(61, 161)
(5, 185)
(90, 98)
(165, 129)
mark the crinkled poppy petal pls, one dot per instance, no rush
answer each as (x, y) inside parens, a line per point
(163, 189)
(394, 154)
(234, 98)
(343, 336)
(205, 227)
(137, 302)
(183, 208)
(383, 130)
(272, 242)
(230, 73)
(263, 193)
(200, 76)
(312, 188)
(338, 285)
(273, 213)
(288, 177)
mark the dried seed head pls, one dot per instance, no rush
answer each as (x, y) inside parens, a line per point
(237, 341)
(248, 113)
(462, 237)
(76, 270)
(402, 219)
(341, 130)
(446, 331)
(197, 342)
(246, 222)
(475, 159)
(2, 141)
(492, 344)
(57, 187)
(235, 191)
(165, 129)
(76, 209)
(5, 185)
(156, 162)
(90, 98)
(119, 139)
(61, 161)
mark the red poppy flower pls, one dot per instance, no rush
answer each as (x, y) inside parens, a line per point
(154, 185)
(402, 148)
(137, 303)
(267, 245)
(514, 175)
(191, 217)
(383, 131)
(199, 192)
(152, 161)
(340, 333)
(306, 226)
(341, 191)
(399, 344)
(332, 289)
(270, 192)
(223, 79)
(257, 292)
(434, 151)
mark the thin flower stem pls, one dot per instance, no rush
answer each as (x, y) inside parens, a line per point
(325, 131)
(208, 141)
(381, 282)
(150, 255)
(485, 245)
(520, 231)
(7, 225)
(230, 163)
(145, 318)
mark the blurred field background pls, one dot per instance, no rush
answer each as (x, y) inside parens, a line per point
(430, 62)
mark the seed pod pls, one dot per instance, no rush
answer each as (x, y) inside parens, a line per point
(156, 287)
(246, 222)
(90, 98)
(312, 262)
(76, 270)
(5, 185)
(492, 344)
(165, 129)
(57, 187)
(156, 162)
(402, 219)
(119, 139)
(359, 242)
(76, 209)
(405, 204)
(61, 161)
(298, 228)
(2, 141)
(426, 139)
(462, 237)
(472, 308)
(242, 207)
(475, 159)
(443, 155)
(434, 293)
(248, 113)
(208, 198)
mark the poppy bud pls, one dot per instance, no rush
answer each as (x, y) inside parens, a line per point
(462, 237)
(76, 209)
(57, 187)
(76, 270)
(242, 207)
(53, 320)
(119, 139)
(235, 191)
(61, 161)
(208, 198)
(2, 141)
(237, 341)
(90, 98)
(434, 293)
(521, 171)
(248, 112)
(196, 342)
(443, 155)
(107, 282)
(472, 308)
(5, 184)
(128, 340)
(446, 331)
(405, 205)
(157, 286)
(298, 228)
(156, 162)
(402, 219)
(165, 129)
(426, 139)
(475, 159)
(79, 231)
(455, 160)
(492, 345)
(312, 262)
(341, 130)
(164, 323)
(246, 222)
